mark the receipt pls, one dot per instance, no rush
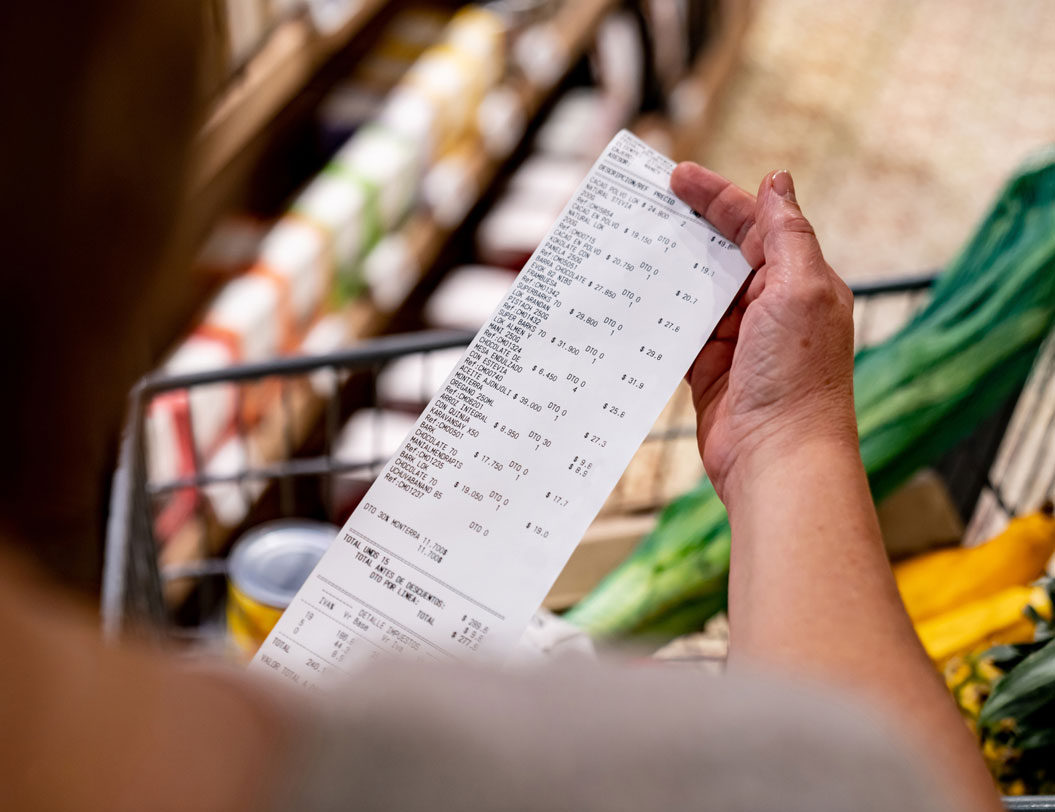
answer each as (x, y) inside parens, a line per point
(461, 536)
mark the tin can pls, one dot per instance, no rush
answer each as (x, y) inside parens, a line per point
(265, 569)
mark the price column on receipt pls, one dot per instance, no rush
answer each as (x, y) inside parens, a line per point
(458, 541)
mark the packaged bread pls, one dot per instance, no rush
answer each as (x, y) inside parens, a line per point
(336, 205)
(297, 255)
(387, 165)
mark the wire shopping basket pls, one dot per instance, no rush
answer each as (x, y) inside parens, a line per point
(170, 526)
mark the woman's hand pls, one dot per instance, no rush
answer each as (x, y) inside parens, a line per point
(778, 370)
(810, 587)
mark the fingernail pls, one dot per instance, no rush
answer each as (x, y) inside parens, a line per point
(783, 185)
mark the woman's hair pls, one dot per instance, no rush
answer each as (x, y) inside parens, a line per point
(99, 104)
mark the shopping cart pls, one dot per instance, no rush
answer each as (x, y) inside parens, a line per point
(138, 594)
(135, 572)
(140, 581)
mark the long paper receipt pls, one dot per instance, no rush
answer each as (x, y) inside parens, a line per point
(464, 532)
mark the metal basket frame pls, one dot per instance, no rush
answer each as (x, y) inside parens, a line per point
(132, 578)
(133, 594)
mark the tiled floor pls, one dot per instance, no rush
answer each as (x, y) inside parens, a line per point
(898, 118)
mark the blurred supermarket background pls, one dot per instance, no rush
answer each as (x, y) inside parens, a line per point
(371, 175)
(372, 168)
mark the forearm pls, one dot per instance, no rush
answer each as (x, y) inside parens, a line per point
(811, 592)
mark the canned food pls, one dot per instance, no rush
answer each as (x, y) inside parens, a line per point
(264, 571)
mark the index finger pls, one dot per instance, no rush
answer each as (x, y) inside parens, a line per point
(722, 203)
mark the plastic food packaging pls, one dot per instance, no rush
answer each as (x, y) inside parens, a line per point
(208, 411)
(450, 186)
(548, 181)
(501, 118)
(335, 204)
(176, 445)
(253, 319)
(582, 122)
(511, 231)
(445, 86)
(467, 297)
(447, 82)
(365, 443)
(328, 334)
(371, 436)
(366, 92)
(534, 196)
(410, 112)
(479, 34)
(390, 271)
(297, 254)
(244, 318)
(231, 501)
(619, 65)
(387, 165)
(542, 54)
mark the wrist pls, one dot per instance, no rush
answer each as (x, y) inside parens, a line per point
(792, 460)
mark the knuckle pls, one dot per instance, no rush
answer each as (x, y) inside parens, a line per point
(846, 296)
(795, 222)
(721, 208)
(820, 294)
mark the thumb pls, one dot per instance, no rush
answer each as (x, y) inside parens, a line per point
(787, 235)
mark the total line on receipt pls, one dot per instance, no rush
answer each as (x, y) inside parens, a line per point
(459, 539)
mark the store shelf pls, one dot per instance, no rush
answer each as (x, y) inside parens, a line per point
(291, 57)
(570, 33)
(571, 30)
(424, 239)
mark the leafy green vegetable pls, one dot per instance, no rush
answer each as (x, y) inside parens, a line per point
(1027, 690)
(1016, 725)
